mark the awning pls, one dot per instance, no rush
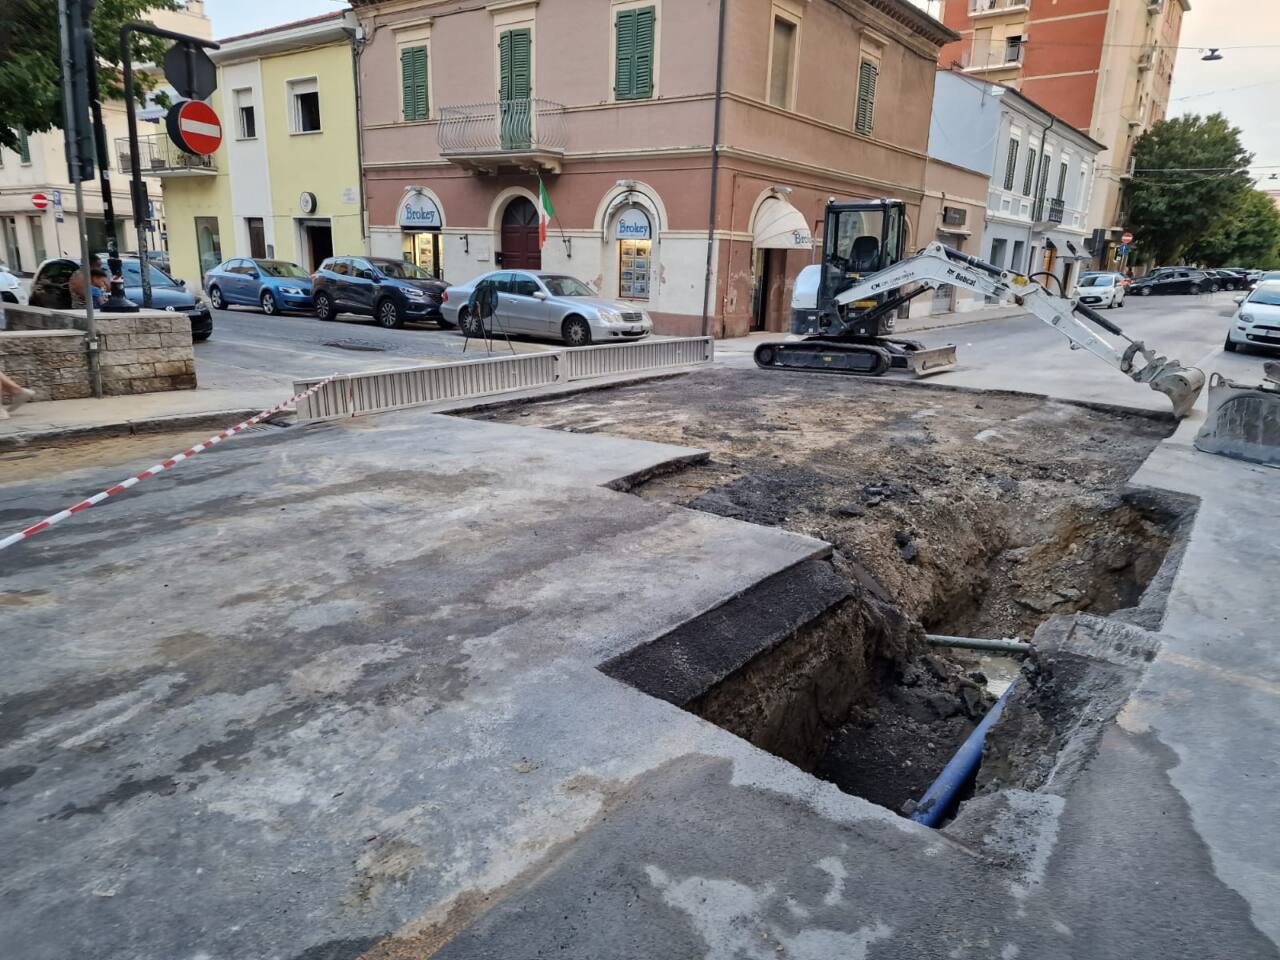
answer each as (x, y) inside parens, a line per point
(1072, 247)
(780, 226)
(1049, 244)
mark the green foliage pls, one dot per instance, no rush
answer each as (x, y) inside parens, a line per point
(1188, 173)
(31, 59)
(1246, 235)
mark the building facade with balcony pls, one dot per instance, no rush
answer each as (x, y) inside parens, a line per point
(285, 182)
(1104, 66)
(696, 203)
(1042, 173)
(39, 165)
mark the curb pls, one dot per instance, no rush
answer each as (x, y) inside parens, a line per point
(169, 424)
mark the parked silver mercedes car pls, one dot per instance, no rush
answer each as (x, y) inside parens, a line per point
(543, 303)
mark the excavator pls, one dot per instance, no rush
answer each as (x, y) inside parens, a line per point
(864, 279)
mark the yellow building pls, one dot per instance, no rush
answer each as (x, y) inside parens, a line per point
(286, 181)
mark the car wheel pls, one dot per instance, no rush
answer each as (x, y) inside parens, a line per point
(464, 323)
(215, 298)
(1213, 288)
(1230, 346)
(576, 332)
(269, 303)
(1145, 291)
(1195, 289)
(324, 307)
(201, 337)
(389, 314)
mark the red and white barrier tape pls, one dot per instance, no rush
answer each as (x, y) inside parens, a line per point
(158, 468)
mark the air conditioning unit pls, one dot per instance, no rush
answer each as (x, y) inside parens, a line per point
(1155, 6)
(1146, 60)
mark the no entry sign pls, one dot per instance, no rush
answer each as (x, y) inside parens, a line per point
(194, 127)
(39, 201)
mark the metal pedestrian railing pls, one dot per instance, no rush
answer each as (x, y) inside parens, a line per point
(378, 391)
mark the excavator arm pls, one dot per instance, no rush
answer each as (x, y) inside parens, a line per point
(938, 264)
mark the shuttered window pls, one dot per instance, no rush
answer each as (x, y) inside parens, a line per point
(24, 147)
(515, 58)
(868, 74)
(1062, 180)
(633, 60)
(1029, 178)
(1011, 164)
(413, 83)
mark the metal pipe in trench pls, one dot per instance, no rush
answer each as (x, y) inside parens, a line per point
(960, 769)
(978, 643)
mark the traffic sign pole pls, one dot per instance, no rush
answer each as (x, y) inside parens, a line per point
(140, 222)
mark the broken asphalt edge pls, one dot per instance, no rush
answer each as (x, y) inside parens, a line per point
(211, 419)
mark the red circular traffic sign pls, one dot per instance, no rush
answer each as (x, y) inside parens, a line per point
(194, 127)
(39, 201)
(1126, 237)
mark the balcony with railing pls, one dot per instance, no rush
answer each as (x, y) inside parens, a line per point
(485, 137)
(989, 57)
(993, 8)
(158, 156)
(1049, 210)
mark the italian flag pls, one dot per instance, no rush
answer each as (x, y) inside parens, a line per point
(545, 212)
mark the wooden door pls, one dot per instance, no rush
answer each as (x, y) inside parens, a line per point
(520, 248)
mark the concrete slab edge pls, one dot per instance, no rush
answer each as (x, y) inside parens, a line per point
(213, 419)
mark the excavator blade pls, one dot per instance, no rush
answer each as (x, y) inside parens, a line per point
(1182, 385)
(930, 360)
(1243, 421)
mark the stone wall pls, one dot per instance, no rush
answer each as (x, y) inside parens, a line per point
(145, 352)
(53, 363)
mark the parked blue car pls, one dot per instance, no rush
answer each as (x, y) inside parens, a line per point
(272, 285)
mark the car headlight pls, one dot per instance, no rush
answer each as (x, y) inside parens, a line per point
(609, 316)
(413, 293)
(1246, 318)
(292, 291)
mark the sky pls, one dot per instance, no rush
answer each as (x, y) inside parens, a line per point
(1244, 85)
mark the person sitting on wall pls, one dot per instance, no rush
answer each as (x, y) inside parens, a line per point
(80, 282)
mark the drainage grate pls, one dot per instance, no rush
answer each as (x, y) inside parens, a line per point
(365, 346)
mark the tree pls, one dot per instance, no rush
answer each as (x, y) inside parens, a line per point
(1187, 173)
(31, 59)
(1247, 235)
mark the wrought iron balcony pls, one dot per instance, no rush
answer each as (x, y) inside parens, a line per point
(530, 134)
(1049, 210)
(978, 8)
(159, 157)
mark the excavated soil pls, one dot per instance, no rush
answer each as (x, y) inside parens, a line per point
(977, 514)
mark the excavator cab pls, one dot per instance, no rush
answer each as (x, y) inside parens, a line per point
(859, 237)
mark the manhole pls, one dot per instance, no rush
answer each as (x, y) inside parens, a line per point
(365, 346)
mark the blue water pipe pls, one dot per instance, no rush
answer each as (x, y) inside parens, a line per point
(960, 769)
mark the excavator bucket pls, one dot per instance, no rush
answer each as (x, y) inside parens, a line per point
(1182, 385)
(1243, 421)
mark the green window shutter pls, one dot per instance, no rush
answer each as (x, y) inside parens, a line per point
(504, 66)
(1028, 178)
(521, 64)
(1062, 179)
(24, 147)
(645, 20)
(624, 71)
(868, 74)
(1011, 164)
(413, 79)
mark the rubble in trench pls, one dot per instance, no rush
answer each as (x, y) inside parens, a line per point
(959, 513)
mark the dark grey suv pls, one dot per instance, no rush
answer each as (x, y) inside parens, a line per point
(390, 291)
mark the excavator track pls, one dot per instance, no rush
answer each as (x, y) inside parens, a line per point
(859, 359)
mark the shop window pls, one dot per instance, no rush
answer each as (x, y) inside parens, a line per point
(304, 106)
(634, 238)
(422, 249)
(633, 54)
(414, 101)
(781, 62)
(208, 243)
(868, 76)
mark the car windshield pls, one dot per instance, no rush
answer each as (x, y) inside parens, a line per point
(1098, 280)
(1268, 298)
(280, 268)
(401, 270)
(567, 287)
(133, 275)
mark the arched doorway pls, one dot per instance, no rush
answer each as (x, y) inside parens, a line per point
(520, 249)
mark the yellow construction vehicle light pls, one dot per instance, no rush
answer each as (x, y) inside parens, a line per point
(864, 304)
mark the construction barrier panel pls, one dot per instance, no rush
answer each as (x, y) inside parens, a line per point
(377, 391)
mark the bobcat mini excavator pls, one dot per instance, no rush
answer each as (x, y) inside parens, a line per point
(865, 279)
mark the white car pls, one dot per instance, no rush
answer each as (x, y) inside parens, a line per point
(1100, 290)
(1256, 321)
(11, 289)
